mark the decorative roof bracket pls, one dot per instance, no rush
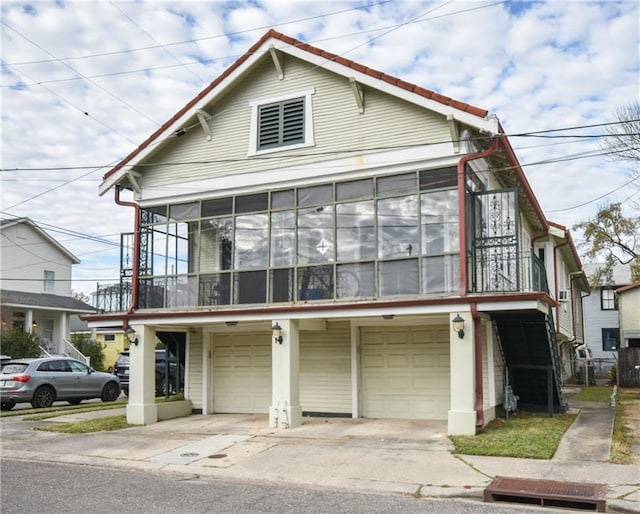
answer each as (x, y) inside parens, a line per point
(202, 118)
(453, 130)
(277, 61)
(357, 93)
(134, 177)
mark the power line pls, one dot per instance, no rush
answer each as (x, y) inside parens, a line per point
(206, 38)
(158, 43)
(112, 95)
(387, 29)
(331, 152)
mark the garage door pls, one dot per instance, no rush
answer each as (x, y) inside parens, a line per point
(405, 372)
(242, 373)
(325, 370)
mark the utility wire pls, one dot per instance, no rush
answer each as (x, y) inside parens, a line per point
(173, 56)
(387, 29)
(206, 38)
(332, 152)
(81, 75)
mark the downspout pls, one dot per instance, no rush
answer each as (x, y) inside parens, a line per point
(555, 276)
(462, 210)
(136, 256)
(573, 276)
(477, 340)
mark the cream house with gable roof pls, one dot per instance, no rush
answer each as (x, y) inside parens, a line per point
(319, 237)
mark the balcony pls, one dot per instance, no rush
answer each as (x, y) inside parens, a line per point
(501, 270)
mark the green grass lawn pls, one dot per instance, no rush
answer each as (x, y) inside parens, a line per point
(529, 435)
(101, 424)
(594, 394)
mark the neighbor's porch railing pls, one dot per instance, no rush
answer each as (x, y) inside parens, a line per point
(501, 270)
(71, 351)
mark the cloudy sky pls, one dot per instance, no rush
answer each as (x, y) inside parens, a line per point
(84, 82)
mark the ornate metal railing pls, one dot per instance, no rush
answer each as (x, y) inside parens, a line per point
(501, 270)
(112, 297)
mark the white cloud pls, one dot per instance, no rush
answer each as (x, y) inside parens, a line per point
(536, 65)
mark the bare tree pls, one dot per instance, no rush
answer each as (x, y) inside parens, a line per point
(622, 140)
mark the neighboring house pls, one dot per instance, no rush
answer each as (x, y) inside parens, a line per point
(112, 341)
(629, 302)
(35, 285)
(629, 361)
(567, 284)
(601, 317)
(319, 237)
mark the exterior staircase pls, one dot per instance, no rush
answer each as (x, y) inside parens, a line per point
(532, 360)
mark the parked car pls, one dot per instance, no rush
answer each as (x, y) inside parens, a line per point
(46, 380)
(176, 380)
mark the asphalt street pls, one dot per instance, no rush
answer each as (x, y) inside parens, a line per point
(29, 487)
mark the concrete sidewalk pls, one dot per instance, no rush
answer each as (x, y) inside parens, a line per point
(395, 456)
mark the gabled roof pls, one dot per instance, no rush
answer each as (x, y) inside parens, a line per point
(6, 223)
(461, 111)
(44, 300)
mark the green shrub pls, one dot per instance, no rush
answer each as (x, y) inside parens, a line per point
(19, 344)
(90, 348)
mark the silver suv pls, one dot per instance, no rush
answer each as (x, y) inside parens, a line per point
(46, 380)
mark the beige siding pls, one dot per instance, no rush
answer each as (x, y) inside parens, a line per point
(194, 370)
(325, 370)
(333, 106)
(241, 373)
(406, 372)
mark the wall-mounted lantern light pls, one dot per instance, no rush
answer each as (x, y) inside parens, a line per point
(34, 324)
(276, 331)
(130, 334)
(458, 325)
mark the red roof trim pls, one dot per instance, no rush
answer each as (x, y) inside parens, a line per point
(476, 111)
(627, 287)
(275, 312)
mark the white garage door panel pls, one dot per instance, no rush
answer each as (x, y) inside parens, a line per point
(241, 373)
(405, 372)
(325, 370)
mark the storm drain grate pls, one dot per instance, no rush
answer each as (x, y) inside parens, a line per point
(547, 493)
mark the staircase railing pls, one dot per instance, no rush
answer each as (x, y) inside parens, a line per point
(510, 400)
(71, 351)
(555, 357)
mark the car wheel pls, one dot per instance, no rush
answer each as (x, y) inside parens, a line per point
(43, 397)
(110, 392)
(162, 389)
(8, 405)
(125, 390)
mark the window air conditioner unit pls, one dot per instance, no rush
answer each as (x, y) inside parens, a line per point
(564, 295)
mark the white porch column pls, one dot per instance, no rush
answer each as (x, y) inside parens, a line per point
(142, 409)
(28, 320)
(285, 410)
(62, 333)
(462, 414)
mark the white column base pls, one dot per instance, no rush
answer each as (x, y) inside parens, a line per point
(461, 423)
(285, 417)
(142, 414)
